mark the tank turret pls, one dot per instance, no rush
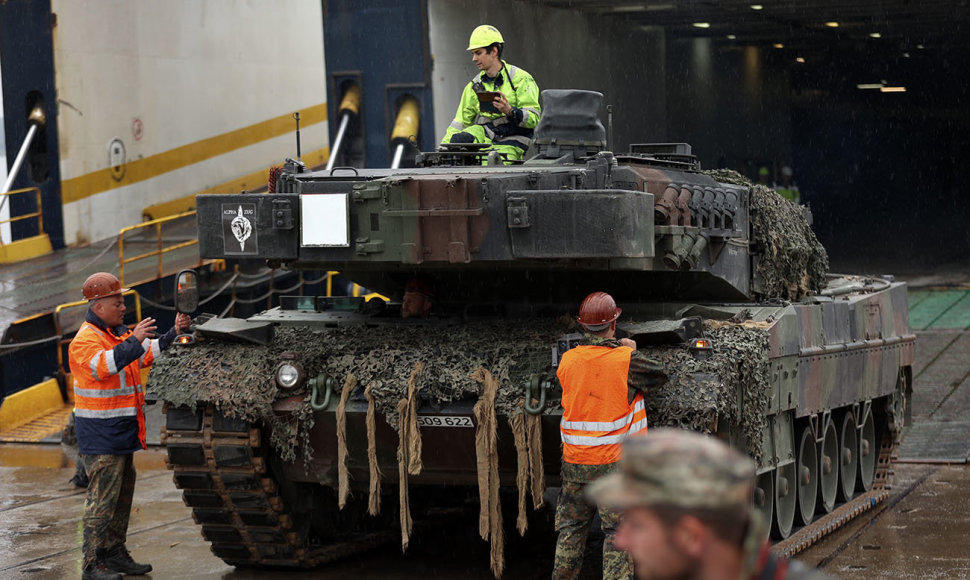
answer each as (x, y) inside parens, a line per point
(571, 218)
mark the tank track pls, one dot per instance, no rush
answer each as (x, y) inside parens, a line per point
(803, 538)
(220, 465)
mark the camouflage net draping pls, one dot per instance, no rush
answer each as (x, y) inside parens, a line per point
(740, 359)
(793, 263)
(239, 378)
(448, 363)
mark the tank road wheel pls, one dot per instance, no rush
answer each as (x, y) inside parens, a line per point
(848, 456)
(764, 496)
(868, 452)
(807, 461)
(828, 468)
(785, 486)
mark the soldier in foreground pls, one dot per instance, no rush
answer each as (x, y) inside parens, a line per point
(687, 511)
(106, 360)
(604, 382)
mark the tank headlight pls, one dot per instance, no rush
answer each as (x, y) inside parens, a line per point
(701, 348)
(289, 375)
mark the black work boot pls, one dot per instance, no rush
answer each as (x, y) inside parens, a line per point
(99, 572)
(119, 559)
(80, 478)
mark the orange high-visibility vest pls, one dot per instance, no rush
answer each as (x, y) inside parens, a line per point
(597, 414)
(108, 401)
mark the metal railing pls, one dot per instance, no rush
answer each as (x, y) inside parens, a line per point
(160, 249)
(39, 214)
(59, 328)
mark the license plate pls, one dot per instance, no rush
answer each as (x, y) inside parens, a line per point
(445, 421)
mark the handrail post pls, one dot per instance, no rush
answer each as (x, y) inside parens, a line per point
(158, 232)
(137, 305)
(121, 257)
(40, 215)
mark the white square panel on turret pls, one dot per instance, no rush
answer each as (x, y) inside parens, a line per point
(324, 220)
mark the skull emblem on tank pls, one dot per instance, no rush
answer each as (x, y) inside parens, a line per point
(242, 228)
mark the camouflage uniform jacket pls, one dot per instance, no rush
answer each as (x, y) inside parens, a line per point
(646, 375)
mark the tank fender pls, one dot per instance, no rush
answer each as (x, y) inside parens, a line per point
(782, 428)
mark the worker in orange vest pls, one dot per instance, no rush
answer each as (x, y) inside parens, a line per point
(604, 383)
(106, 360)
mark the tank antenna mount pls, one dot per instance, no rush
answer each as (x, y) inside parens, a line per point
(296, 116)
(609, 127)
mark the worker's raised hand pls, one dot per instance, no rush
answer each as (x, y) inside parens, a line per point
(502, 104)
(182, 322)
(628, 342)
(145, 329)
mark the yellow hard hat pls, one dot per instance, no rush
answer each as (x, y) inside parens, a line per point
(484, 35)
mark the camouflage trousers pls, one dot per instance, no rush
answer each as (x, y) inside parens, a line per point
(574, 515)
(108, 504)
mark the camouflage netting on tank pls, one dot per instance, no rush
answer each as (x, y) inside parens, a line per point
(793, 263)
(238, 378)
(740, 358)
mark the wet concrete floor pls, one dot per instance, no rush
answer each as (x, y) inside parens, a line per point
(920, 531)
(40, 534)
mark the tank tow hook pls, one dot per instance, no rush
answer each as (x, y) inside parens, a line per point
(536, 388)
(326, 382)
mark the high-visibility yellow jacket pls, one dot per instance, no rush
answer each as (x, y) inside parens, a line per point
(516, 129)
(597, 413)
(108, 395)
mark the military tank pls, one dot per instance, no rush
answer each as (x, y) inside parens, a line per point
(314, 429)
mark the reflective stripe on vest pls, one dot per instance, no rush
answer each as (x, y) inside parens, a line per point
(106, 413)
(150, 346)
(107, 391)
(597, 414)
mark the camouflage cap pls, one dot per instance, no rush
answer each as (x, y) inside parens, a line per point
(678, 468)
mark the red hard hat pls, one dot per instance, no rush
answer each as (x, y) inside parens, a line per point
(598, 310)
(102, 285)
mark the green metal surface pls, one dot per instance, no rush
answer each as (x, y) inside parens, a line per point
(941, 309)
(917, 296)
(957, 316)
(941, 394)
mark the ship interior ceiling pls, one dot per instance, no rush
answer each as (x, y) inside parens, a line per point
(866, 100)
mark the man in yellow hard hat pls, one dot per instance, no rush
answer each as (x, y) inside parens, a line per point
(500, 105)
